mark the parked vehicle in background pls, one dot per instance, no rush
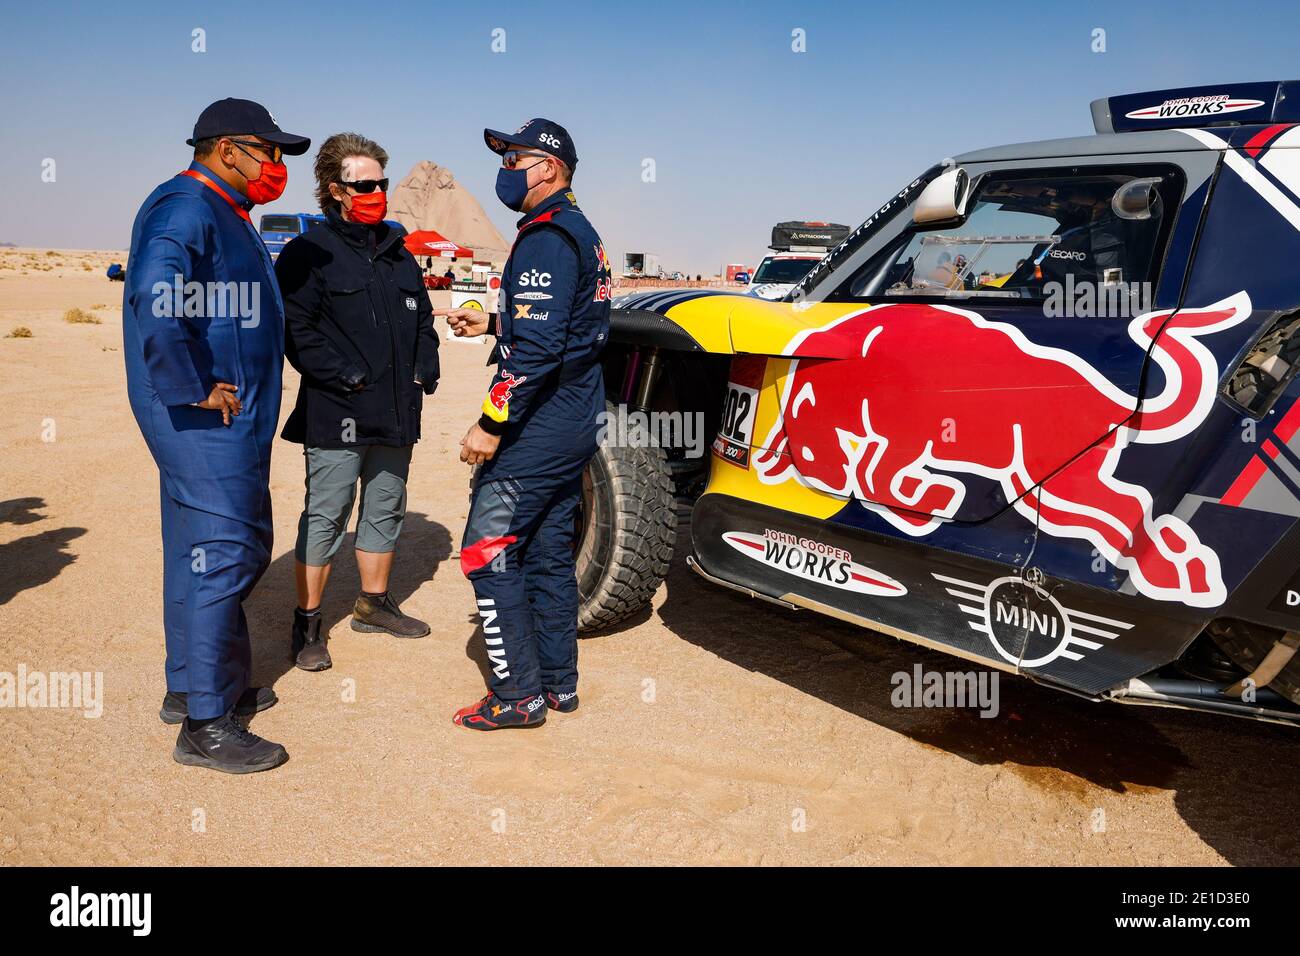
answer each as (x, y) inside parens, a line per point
(277, 228)
(797, 246)
(732, 272)
(639, 265)
(778, 273)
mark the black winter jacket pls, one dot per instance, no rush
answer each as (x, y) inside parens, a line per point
(359, 328)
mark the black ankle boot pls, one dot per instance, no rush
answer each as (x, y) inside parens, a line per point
(379, 614)
(309, 644)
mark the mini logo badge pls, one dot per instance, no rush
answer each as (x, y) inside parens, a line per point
(1027, 626)
(813, 561)
(410, 302)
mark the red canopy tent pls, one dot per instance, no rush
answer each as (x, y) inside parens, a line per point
(427, 242)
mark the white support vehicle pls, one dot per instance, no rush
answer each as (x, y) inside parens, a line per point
(797, 247)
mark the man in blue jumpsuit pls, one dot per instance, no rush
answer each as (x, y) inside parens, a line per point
(204, 343)
(536, 433)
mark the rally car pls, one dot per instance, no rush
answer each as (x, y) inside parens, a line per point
(1039, 411)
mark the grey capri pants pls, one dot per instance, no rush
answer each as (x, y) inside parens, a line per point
(332, 475)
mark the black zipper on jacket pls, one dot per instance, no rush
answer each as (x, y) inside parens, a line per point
(395, 348)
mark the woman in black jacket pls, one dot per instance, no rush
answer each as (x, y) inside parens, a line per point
(359, 328)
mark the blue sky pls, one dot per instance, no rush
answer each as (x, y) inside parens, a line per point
(742, 130)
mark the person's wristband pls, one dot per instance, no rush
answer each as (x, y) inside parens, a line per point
(491, 425)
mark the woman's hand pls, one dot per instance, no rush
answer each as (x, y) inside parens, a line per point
(223, 399)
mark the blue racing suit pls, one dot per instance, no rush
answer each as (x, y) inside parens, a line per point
(545, 402)
(201, 306)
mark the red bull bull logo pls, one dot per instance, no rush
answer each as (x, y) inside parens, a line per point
(497, 404)
(849, 428)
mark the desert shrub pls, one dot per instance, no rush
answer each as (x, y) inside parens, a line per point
(22, 332)
(77, 317)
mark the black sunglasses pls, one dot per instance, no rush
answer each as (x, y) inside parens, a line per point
(271, 150)
(365, 185)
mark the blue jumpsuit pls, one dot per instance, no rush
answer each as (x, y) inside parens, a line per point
(201, 306)
(545, 401)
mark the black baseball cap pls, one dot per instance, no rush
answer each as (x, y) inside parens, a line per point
(540, 134)
(232, 117)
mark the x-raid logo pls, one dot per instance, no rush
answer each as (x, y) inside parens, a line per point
(1194, 106)
(1027, 626)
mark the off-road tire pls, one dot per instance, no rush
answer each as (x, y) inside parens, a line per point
(625, 535)
(1247, 644)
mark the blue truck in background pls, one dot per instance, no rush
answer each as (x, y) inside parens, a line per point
(278, 228)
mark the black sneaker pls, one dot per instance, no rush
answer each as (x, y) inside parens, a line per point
(251, 701)
(310, 652)
(565, 703)
(224, 744)
(493, 713)
(381, 615)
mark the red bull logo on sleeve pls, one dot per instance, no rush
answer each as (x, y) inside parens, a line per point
(846, 428)
(497, 403)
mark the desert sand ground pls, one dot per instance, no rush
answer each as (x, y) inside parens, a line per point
(713, 728)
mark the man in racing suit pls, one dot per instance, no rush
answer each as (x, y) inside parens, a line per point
(536, 433)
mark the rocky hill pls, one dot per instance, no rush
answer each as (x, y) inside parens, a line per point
(429, 197)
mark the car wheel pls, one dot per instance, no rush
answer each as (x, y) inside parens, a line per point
(627, 529)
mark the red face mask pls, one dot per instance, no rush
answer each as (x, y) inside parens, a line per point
(269, 184)
(368, 208)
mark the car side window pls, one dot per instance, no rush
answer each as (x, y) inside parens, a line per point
(1030, 234)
